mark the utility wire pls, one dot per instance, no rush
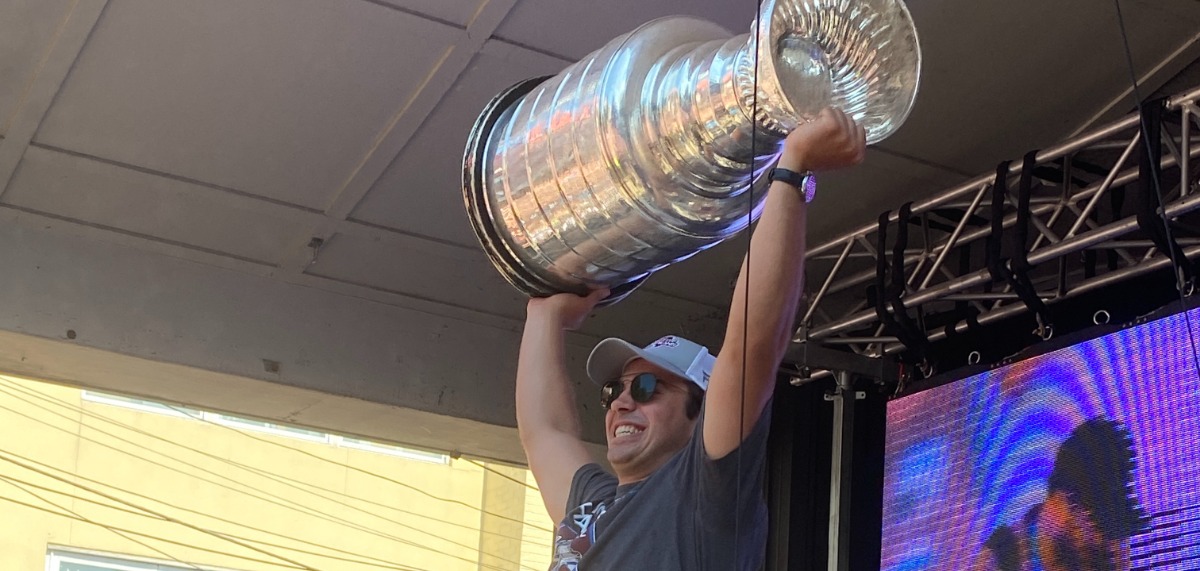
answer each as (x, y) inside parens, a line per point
(118, 532)
(154, 513)
(285, 502)
(381, 476)
(131, 532)
(264, 473)
(506, 477)
(376, 562)
(372, 474)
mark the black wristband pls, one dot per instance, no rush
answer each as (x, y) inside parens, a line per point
(805, 182)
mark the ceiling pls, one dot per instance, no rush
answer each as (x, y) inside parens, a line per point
(232, 133)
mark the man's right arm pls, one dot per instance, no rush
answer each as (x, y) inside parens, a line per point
(546, 416)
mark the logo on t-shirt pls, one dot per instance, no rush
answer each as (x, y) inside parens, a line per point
(575, 536)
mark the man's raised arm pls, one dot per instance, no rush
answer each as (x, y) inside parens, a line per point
(758, 332)
(546, 416)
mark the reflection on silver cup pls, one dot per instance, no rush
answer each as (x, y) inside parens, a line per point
(643, 153)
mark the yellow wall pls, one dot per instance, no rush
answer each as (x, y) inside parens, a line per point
(314, 504)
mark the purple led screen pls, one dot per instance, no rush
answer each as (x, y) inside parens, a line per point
(1087, 457)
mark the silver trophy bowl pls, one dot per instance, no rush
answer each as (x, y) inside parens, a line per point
(649, 150)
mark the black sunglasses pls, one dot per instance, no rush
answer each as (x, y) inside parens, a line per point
(641, 388)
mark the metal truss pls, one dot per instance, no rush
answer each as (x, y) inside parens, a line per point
(1062, 223)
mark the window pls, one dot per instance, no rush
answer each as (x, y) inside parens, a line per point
(140, 404)
(380, 448)
(60, 559)
(268, 427)
(264, 426)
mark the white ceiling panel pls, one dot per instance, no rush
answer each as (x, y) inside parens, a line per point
(281, 98)
(575, 28)
(455, 11)
(26, 30)
(421, 191)
(1003, 78)
(101, 194)
(386, 261)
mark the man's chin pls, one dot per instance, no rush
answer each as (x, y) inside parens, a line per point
(623, 454)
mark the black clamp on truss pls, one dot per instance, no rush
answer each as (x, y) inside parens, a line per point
(1067, 205)
(1148, 186)
(1014, 270)
(888, 294)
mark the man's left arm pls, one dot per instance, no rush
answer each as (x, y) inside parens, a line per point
(763, 309)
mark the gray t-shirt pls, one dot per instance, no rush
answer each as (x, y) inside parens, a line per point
(680, 518)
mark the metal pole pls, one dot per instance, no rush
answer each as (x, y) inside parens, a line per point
(843, 398)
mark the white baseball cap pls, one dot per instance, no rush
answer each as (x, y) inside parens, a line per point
(675, 354)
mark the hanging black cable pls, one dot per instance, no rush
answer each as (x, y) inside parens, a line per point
(1154, 166)
(737, 513)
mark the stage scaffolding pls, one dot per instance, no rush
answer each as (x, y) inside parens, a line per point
(1067, 220)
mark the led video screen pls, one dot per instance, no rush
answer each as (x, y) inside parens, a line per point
(1087, 457)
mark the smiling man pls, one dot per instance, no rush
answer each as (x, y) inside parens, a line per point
(686, 431)
(1089, 515)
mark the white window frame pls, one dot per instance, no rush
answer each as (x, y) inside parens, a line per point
(56, 555)
(141, 405)
(391, 450)
(274, 429)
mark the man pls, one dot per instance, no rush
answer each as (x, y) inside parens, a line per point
(687, 487)
(1088, 515)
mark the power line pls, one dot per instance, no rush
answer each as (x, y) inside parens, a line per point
(264, 473)
(280, 479)
(382, 563)
(295, 507)
(161, 516)
(503, 475)
(148, 536)
(261, 472)
(81, 518)
(321, 459)
(298, 508)
(370, 473)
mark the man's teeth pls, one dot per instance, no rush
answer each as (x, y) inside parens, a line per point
(627, 430)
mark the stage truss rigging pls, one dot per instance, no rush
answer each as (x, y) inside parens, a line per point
(1067, 220)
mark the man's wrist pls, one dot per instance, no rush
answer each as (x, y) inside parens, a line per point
(792, 163)
(804, 182)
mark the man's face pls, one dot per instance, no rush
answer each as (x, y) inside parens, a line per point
(642, 436)
(1070, 539)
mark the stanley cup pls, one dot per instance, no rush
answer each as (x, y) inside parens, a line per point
(656, 146)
